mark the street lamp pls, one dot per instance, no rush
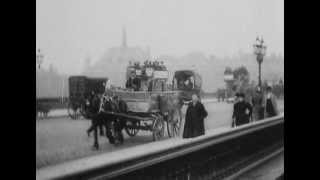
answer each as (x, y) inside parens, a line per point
(260, 51)
(39, 58)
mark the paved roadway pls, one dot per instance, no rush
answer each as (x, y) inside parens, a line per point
(62, 139)
(64, 112)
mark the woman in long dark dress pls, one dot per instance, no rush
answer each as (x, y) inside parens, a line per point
(270, 104)
(194, 122)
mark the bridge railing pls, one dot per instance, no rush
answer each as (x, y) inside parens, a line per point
(114, 164)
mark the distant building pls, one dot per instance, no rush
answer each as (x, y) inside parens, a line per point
(114, 61)
(50, 84)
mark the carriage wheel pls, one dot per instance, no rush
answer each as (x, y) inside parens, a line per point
(174, 123)
(158, 128)
(73, 111)
(132, 128)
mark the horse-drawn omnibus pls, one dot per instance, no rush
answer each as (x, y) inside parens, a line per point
(151, 104)
(188, 82)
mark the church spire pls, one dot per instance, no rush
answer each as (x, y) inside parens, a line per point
(124, 37)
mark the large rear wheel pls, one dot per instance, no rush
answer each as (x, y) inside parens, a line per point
(174, 123)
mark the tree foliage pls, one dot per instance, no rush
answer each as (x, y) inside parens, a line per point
(242, 78)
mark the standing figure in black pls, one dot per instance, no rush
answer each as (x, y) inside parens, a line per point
(194, 122)
(242, 111)
(270, 104)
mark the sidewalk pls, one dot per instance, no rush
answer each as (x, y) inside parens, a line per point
(209, 100)
(58, 113)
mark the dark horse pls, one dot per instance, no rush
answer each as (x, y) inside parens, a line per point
(113, 125)
(92, 109)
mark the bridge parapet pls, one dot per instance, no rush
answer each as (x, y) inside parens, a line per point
(173, 157)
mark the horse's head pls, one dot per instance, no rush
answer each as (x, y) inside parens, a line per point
(109, 104)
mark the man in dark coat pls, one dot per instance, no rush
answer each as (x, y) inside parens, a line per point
(270, 104)
(194, 122)
(242, 111)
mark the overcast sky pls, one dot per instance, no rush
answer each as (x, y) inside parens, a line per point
(68, 31)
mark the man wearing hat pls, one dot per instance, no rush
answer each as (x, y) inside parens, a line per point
(242, 111)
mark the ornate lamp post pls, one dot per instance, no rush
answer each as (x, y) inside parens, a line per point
(39, 58)
(260, 51)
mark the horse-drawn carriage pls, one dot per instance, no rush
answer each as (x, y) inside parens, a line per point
(152, 103)
(152, 106)
(80, 89)
(187, 82)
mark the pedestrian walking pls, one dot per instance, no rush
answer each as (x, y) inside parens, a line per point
(270, 104)
(257, 105)
(194, 121)
(242, 111)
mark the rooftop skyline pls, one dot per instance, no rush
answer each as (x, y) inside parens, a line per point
(70, 31)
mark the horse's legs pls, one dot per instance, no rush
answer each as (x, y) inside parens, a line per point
(108, 131)
(91, 128)
(119, 127)
(94, 127)
(101, 129)
(96, 141)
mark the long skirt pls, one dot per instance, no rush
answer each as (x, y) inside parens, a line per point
(193, 128)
